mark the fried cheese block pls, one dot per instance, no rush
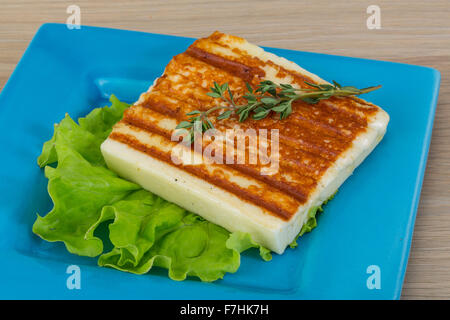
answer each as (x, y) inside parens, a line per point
(319, 145)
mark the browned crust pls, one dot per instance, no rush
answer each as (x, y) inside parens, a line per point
(238, 69)
(311, 139)
(218, 181)
(247, 170)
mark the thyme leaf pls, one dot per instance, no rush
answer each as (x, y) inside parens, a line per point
(267, 98)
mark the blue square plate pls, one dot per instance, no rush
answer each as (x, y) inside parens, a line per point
(369, 223)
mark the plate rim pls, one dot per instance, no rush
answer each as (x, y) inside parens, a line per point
(436, 76)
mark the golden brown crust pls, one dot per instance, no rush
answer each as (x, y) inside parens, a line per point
(310, 139)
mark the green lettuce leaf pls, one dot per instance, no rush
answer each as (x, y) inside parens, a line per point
(100, 121)
(79, 191)
(242, 241)
(144, 229)
(148, 231)
(311, 223)
(85, 138)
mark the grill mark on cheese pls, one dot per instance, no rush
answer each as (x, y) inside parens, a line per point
(298, 78)
(162, 107)
(209, 44)
(288, 188)
(291, 188)
(310, 166)
(189, 67)
(273, 207)
(297, 127)
(145, 119)
(301, 112)
(319, 149)
(347, 112)
(310, 139)
(139, 122)
(297, 120)
(238, 69)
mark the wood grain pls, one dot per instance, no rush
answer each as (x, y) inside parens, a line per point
(415, 32)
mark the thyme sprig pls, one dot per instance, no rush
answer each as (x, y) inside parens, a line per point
(267, 98)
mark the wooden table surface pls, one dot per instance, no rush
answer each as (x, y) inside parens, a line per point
(416, 32)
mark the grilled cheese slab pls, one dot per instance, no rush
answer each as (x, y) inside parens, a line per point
(319, 145)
